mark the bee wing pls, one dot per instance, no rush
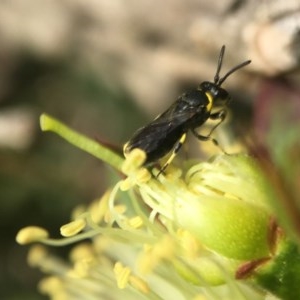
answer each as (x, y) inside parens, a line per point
(162, 125)
(158, 137)
(174, 113)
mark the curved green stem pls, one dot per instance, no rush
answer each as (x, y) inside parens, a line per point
(81, 141)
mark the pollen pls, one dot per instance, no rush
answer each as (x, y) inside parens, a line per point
(52, 286)
(126, 184)
(136, 222)
(134, 160)
(81, 251)
(82, 268)
(36, 255)
(153, 255)
(132, 167)
(138, 176)
(72, 228)
(122, 275)
(99, 208)
(31, 234)
(139, 284)
(189, 243)
(118, 209)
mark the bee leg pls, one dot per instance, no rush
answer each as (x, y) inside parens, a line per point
(176, 148)
(220, 115)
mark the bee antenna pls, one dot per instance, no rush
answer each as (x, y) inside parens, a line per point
(221, 80)
(217, 80)
(220, 61)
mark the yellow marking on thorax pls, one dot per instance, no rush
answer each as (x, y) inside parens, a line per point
(210, 101)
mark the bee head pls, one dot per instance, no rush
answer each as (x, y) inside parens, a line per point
(220, 95)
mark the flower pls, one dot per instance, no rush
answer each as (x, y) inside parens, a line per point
(185, 234)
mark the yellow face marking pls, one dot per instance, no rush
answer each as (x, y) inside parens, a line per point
(210, 101)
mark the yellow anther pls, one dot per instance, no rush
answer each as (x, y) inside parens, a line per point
(102, 207)
(139, 284)
(134, 160)
(143, 175)
(122, 275)
(136, 222)
(153, 255)
(126, 184)
(82, 267)
(31, 234)
(188, 242)
(50, 285)
(165, 248)
(81, 251)
(101, 244)
(96, 213)
(72, 228)
(36, 255)
(118, 209)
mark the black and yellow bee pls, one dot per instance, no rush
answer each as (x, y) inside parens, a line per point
(190, 111)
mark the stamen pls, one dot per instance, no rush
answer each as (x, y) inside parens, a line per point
(139, 284)
(189, 243)
(52, 286)
(122, 275)
(31, 234)
(152, 255)
(36, 255)
(136, 222)
(81, 251)
(117, 210)
(72, 228)
(81, 268)
(134, 160)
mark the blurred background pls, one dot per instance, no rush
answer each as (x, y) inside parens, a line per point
(107, 67)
